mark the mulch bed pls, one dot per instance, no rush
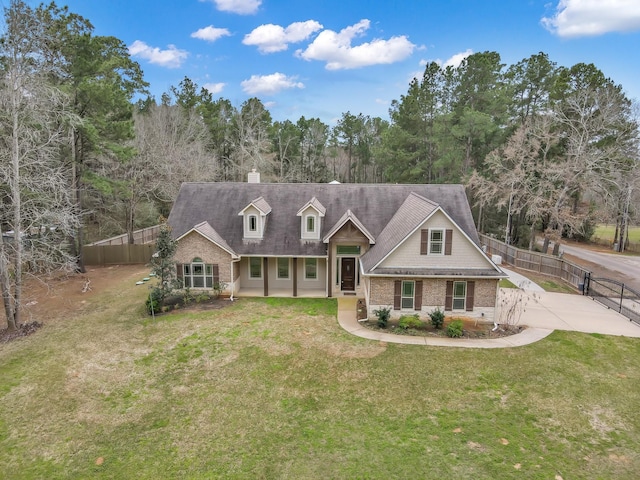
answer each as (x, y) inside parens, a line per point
(23, 330)
(470, 329)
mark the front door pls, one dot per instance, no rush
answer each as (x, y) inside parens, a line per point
(348, 280)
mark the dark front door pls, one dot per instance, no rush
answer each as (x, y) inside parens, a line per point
(348, 279)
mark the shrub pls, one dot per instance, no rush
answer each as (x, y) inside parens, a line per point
(383, 314)
(203, 297)
(153, 303)
(410, 321)
(454, 329)
(437, 318)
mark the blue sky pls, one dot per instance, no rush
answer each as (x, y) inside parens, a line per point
(325, 57)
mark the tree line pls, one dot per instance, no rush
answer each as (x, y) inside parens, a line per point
(86, 152)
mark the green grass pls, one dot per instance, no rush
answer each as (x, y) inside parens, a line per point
(274, 388)
(506, 283)
(606, 232)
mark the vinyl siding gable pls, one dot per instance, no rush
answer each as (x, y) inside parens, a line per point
(464, 254)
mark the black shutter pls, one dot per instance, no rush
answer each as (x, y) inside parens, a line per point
(447, 242)
(180, 275)
(448, 299)
(424, 242)
(471, 287)
(397, 294)
(216, 274)
(417, 300)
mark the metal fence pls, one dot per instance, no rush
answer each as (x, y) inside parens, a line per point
(535, 261)
(614, 295)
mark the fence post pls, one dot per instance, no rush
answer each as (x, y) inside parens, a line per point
(621, 298)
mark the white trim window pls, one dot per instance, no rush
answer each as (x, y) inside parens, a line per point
(283, 268)
(459, 295)
(407, 295)
(436, 241)
(198, 274)
(252, 223)
(255, 267)
(310, 268)
(310, 223)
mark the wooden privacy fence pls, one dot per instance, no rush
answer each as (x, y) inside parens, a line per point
(118, 254)
(535, 261)
(117, 250)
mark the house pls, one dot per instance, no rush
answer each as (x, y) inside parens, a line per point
(411, 247)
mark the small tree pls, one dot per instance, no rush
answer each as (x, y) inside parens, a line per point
(163, 266)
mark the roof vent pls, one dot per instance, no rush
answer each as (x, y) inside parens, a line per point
(253, 177)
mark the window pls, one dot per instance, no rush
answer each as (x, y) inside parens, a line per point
(408, 289)
(253, 223)
(310, 268)
(311, 224)
(283, 268)
(348, 249)
(199, 275)
(459, 295)
(255, 267)
(436, 242)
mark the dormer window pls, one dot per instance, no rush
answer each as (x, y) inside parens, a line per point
(255, 218)
(310, 216)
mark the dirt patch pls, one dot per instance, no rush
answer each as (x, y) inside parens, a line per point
(25, 329)
(47, 299)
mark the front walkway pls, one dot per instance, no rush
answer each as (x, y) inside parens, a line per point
(549, 312)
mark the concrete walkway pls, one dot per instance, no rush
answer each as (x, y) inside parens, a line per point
(544, 314)
(521, 281)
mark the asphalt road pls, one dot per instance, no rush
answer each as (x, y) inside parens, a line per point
(626, 265)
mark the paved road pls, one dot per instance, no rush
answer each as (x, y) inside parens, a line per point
(627, 265)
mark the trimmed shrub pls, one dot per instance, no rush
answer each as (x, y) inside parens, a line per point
(437, 318)
(383, 315)
(454, 329)
(410, 321)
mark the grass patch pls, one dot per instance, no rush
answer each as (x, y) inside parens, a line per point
(273, 388)
(606, 232)
(506, 283)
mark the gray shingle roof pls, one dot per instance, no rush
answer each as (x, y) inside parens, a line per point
(373, 204)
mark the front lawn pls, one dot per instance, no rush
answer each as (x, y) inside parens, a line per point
(268, 388)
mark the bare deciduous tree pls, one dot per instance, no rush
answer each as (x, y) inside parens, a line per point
(37, 206)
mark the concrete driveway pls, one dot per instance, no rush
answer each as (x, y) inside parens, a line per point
(577, 313)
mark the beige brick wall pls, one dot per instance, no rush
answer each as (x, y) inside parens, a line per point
(433, 295)
(195, 245)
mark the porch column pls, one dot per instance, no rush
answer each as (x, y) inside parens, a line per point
(329, 277)
(265, 275)
(295, 276)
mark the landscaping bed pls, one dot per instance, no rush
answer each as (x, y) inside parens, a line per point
(471, 328)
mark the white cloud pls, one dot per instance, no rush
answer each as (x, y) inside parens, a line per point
(269, 84)
(172, 57)
(577, 18)
(336, 50)
(210, 33)
(214, 88)
(456, 59)
(242, 7)
(270, 38)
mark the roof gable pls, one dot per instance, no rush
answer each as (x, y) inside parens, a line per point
(259, 204)
(412, 213)
(315, 204)
(208, 232)
(349, 216)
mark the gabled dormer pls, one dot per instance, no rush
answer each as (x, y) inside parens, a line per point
(255, 218)
(311, 215)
